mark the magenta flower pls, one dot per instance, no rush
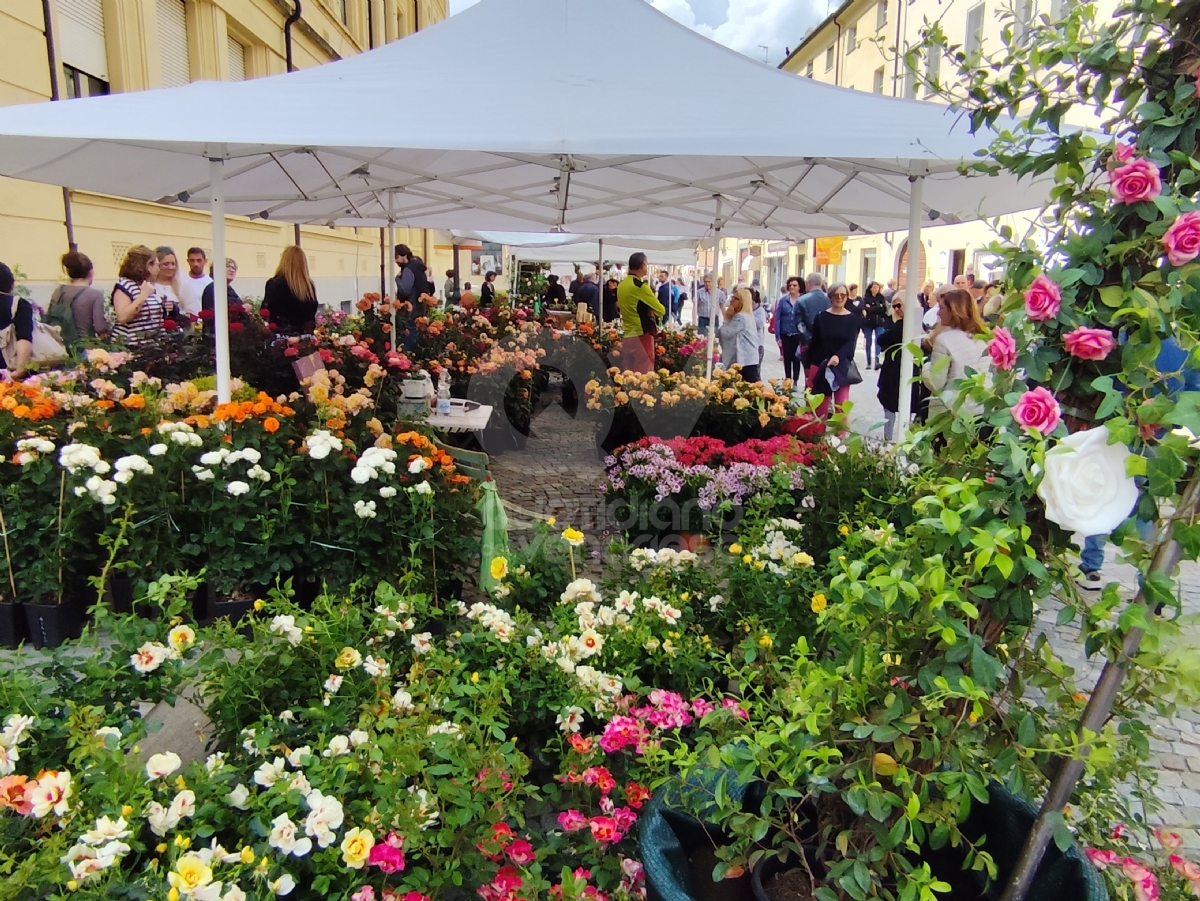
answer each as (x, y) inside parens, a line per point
(572, 820)
(1136, 181)
(1043, 299)
(387, 854)
(1182, 240)
(1102, 859)
(1038, 410)
(1089, 343)
(1123, 153)
(1003, 349)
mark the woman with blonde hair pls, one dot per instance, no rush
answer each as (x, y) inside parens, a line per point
(290, 298)
(167, 283)
(137, 307)
(956, 348)
(739, 334)
(830, 353)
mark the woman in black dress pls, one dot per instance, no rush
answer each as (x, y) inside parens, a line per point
(290, 298)
(831, 350)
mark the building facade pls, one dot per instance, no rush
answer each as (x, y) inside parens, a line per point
(861, 45)
(79, 48)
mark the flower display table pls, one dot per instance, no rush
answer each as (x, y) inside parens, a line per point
(464, 416)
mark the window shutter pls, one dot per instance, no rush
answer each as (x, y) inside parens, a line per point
(172, 43)
(81, 37)
(237, 61)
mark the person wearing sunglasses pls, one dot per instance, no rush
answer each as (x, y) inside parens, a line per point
(830, 359)
(890, 341)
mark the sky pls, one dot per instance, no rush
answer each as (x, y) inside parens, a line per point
(743, 25)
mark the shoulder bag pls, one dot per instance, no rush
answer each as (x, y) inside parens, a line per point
(48, 347)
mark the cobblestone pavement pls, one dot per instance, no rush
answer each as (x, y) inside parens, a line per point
(558, 473)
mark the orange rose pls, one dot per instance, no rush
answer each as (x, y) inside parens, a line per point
(12, 794)
(134, 402)
(271, 425)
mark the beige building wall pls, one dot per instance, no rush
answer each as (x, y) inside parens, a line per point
(224, 40)
(860, 45)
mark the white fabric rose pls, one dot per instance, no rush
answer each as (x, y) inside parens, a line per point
(1085, 486)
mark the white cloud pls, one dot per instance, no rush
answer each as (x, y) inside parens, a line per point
(778, 24)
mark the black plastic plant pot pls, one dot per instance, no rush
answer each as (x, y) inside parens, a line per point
(51, 625)
(13, 628)
(120, 587)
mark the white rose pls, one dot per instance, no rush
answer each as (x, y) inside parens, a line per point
(160, 765)
(239, 797)
(157, 450)
(1085, 487)
(237, 487)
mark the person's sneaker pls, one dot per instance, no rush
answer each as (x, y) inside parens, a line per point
(1091, 581)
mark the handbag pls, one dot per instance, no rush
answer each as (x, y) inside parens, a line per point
(47, 342)
(853, 376)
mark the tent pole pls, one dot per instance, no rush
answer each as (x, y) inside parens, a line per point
(695, 288)
(600, 283)
(712, 326)
(216, 170)
(912, 310)
(716, 293)
(391, 252)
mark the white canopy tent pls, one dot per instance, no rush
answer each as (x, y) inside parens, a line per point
(341, 144)
(567, 248)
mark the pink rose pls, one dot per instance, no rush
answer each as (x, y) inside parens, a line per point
(1003, 349)
(1123, 153)
(1037, 410)
(1089, 343)
(572, 820)
(1184, 867)
(1136, 181)
(1182, 240)
(1043, 299)
(1170, 841)
(1102, 859)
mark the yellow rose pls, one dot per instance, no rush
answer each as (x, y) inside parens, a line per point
(735, 548)
(181, 638)
(173, 895)
(259, 604)
(573, 537)
(746, 558)
(844, 530)
(499, 568)
(764, 420)
(819, 603)
(474, 678)
(741, 403)
(356, 847)
(190, 873)
(766, 641)
(551, 521)
(802, 559)
(127, 810)
(247, 855)
(348, 659)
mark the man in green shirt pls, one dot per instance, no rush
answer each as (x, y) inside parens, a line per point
(640, 311)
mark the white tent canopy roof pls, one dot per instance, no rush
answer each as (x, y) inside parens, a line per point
(342, 143)
(563, 248)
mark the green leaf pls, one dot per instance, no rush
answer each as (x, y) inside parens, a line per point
(1027, 730)
(985, 669)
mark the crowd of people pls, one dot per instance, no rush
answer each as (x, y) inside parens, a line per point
(153, 295)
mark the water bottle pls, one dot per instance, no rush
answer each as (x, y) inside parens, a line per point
(443, 396)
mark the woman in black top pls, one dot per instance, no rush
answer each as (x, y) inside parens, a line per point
(16, 311)
(831, 350)
(609, 303)
(874, 311)
(555, 293)
(208, 298)
(290, 298)
(487, 294)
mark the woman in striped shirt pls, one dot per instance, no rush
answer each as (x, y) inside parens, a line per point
(136, 304)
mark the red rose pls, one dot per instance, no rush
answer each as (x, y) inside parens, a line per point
(170, 325)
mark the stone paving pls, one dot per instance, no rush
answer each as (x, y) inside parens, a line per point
(558, 473)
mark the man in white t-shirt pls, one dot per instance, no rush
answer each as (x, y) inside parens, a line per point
(192, 285)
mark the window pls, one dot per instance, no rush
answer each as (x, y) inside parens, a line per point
(974, 40)
(878, 84)
(808, 70)
(81, 39)
(237, 61)
(933, 68)
(80, 84)
(829, 57)
(173, 43)
(1022, 20)
(881, 14)
(851, 39)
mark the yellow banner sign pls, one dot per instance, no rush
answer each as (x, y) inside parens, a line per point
(829, 251)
